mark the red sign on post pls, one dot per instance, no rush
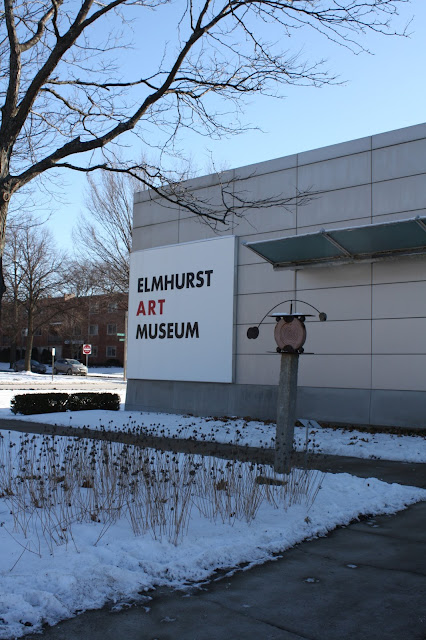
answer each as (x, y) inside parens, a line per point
(87, 349)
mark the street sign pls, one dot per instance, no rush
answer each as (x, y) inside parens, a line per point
(87, 349)
(121, 339)
(121, 335)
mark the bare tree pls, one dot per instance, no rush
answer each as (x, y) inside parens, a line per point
(82, 277)
(105, 232)
(33, 268)
(63, 93)
(13, 321)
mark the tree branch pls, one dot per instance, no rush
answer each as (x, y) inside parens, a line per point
(9, 107)
(31, 42)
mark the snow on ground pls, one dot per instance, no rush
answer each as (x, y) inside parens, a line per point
(118, 567)
(344, 442)
(8, 375)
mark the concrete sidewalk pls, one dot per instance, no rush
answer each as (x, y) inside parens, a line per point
(365, 581)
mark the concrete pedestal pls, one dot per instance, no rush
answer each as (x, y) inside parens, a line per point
(286, 411)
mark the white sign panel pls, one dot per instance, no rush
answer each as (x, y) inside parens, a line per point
(181, 312)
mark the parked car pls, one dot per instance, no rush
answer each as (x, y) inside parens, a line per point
(70, 367)
(36, 367)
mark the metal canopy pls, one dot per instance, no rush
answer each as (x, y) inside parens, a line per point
(366, 243)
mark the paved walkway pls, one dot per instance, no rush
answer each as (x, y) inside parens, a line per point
(365, 581)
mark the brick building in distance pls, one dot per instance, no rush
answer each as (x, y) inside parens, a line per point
(68, 322)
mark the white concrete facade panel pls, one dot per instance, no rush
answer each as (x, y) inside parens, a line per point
(155, 235)
(277, 184)
(399, 371)
(339, 206)
(153, 212)
(335, 371)
(212, 197)
(274, 218)
(399, 161)
(399, 300)
(400, 195)
(402, 336)
(339, 173)
(253, 278)
(344, 303)
(352, 337)
(191, 229)
(346, 275)
(401, 270)
(248, 367)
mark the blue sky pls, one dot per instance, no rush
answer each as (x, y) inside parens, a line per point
(379, 93)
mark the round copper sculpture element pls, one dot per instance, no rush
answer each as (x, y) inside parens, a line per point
(290, 334)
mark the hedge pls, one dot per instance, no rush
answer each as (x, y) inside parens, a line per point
(30, 403)
(93, 400)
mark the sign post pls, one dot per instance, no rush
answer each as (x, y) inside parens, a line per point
(290, 336)
(87, 350)
(286, 412)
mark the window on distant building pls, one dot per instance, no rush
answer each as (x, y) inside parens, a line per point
(94, 307)
(111, 352)
(112, 306)
(111, 329)
(77, 331)
(93, 330)
(37, 332)
(95, 351)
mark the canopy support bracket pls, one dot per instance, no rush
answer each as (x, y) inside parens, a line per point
(336, 244)
(421, 224)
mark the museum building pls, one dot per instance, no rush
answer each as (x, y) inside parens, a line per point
(339, 231)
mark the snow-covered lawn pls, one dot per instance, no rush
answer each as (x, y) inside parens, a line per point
(343, 442)
(7, 374)
(99, 562)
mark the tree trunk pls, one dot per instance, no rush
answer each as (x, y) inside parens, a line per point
(2, 284)
(29, 342)
(12, 357)
(15, 338)
(4, 207)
